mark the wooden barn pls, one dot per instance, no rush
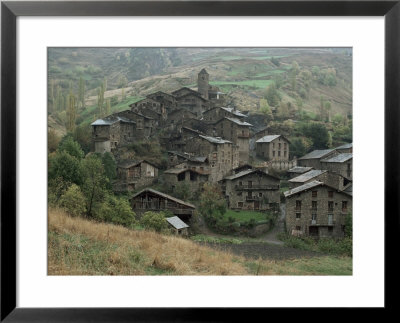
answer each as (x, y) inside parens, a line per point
(152, 200)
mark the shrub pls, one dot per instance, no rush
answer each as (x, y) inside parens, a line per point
(154, 221)
(73, 201)
(117, 210)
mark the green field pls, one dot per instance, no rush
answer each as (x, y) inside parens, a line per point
(260, 84)
(243, 216)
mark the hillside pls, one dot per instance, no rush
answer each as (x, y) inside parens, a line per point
(243, 73)
(77, 246)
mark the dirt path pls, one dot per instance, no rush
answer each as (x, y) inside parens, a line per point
(271, 236)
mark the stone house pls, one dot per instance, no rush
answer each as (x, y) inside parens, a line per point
(317, 210)
(178, 226)
(298, 170)
(132, 175)
(221, 154)
(145, 126)
(346, 148)
(166, 101)
(273, 147)
(331, 179)
(152, 200)
(241, 168)
(192, 177)
(150, 108)
(216, 113)
(261, 133)
(177, 117)
(209, 92)
(252, 189)
(111, 132)
(313, 159)
(191, 100)
(200, 125)
(236, 131)
(341, 164)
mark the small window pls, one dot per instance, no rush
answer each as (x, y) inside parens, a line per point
(314, 193)
(314, 204)
(239, 194)
(330, 193)
(240, 204)
(344, 205)
(260, 194)
(298, 228)
(298, 205)
(298, 215)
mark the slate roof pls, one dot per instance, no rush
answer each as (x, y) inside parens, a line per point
(307, 176)
(349, 190)
(215, 140)
(107, 121)
(247, 172)
(302, 188)
(345, 146)
(132, 163)
(268, 138)
(238, 122)
(299, 169)
(169, 197)
(316, 154)
(234, 111)
(203, 71)
(341, 158)
(177, 223)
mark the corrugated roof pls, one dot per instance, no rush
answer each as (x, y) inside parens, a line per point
(215, 140)
(341, 158)
(177, 223)
(307, 176)
(299, 169)
(268, 138)
(302, 188)
(317, 154)
(169, 197)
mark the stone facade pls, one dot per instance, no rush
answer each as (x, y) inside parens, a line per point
(193, 102)
(111, 132)
(166, 101)
(316, 209)
(238, 132)
(222, 154)
(341, 164)
(176, 118)
(252, 190)
(133, 175)
(193, 178)
(273, 147)
(202, 83)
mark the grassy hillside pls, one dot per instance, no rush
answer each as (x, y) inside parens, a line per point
(77, 246)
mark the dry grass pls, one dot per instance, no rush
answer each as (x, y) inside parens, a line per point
(81, 247)
(78, 246)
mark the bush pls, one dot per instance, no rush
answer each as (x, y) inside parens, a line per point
(154, 221)
(73, 201)
(117, 210)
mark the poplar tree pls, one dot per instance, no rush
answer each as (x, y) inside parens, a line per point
(71, 112)
(81, 93)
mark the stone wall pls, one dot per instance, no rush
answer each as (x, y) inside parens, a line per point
(300, 218)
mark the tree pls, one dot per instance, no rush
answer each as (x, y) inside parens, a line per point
(272, 95)
(212, 203)
(94, 183)
(110, 166)
(182, 191)
(70, 146)
(63, 165)
(116, 210)
(108, 107)
(71, 112)
(73, 201)
(297, 148)
(319, 135)
(52, 140)
(154, 221)
(81, 93)
(266, 110)
(283, 110)
(275, 61)
(100, 100)
(348, 225)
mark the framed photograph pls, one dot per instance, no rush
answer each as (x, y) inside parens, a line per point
(296, 83)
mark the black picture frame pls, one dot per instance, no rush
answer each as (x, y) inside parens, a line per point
(10, 10)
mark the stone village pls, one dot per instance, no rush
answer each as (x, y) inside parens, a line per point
(208, 141)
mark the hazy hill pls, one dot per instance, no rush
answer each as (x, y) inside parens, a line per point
(243, 73)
